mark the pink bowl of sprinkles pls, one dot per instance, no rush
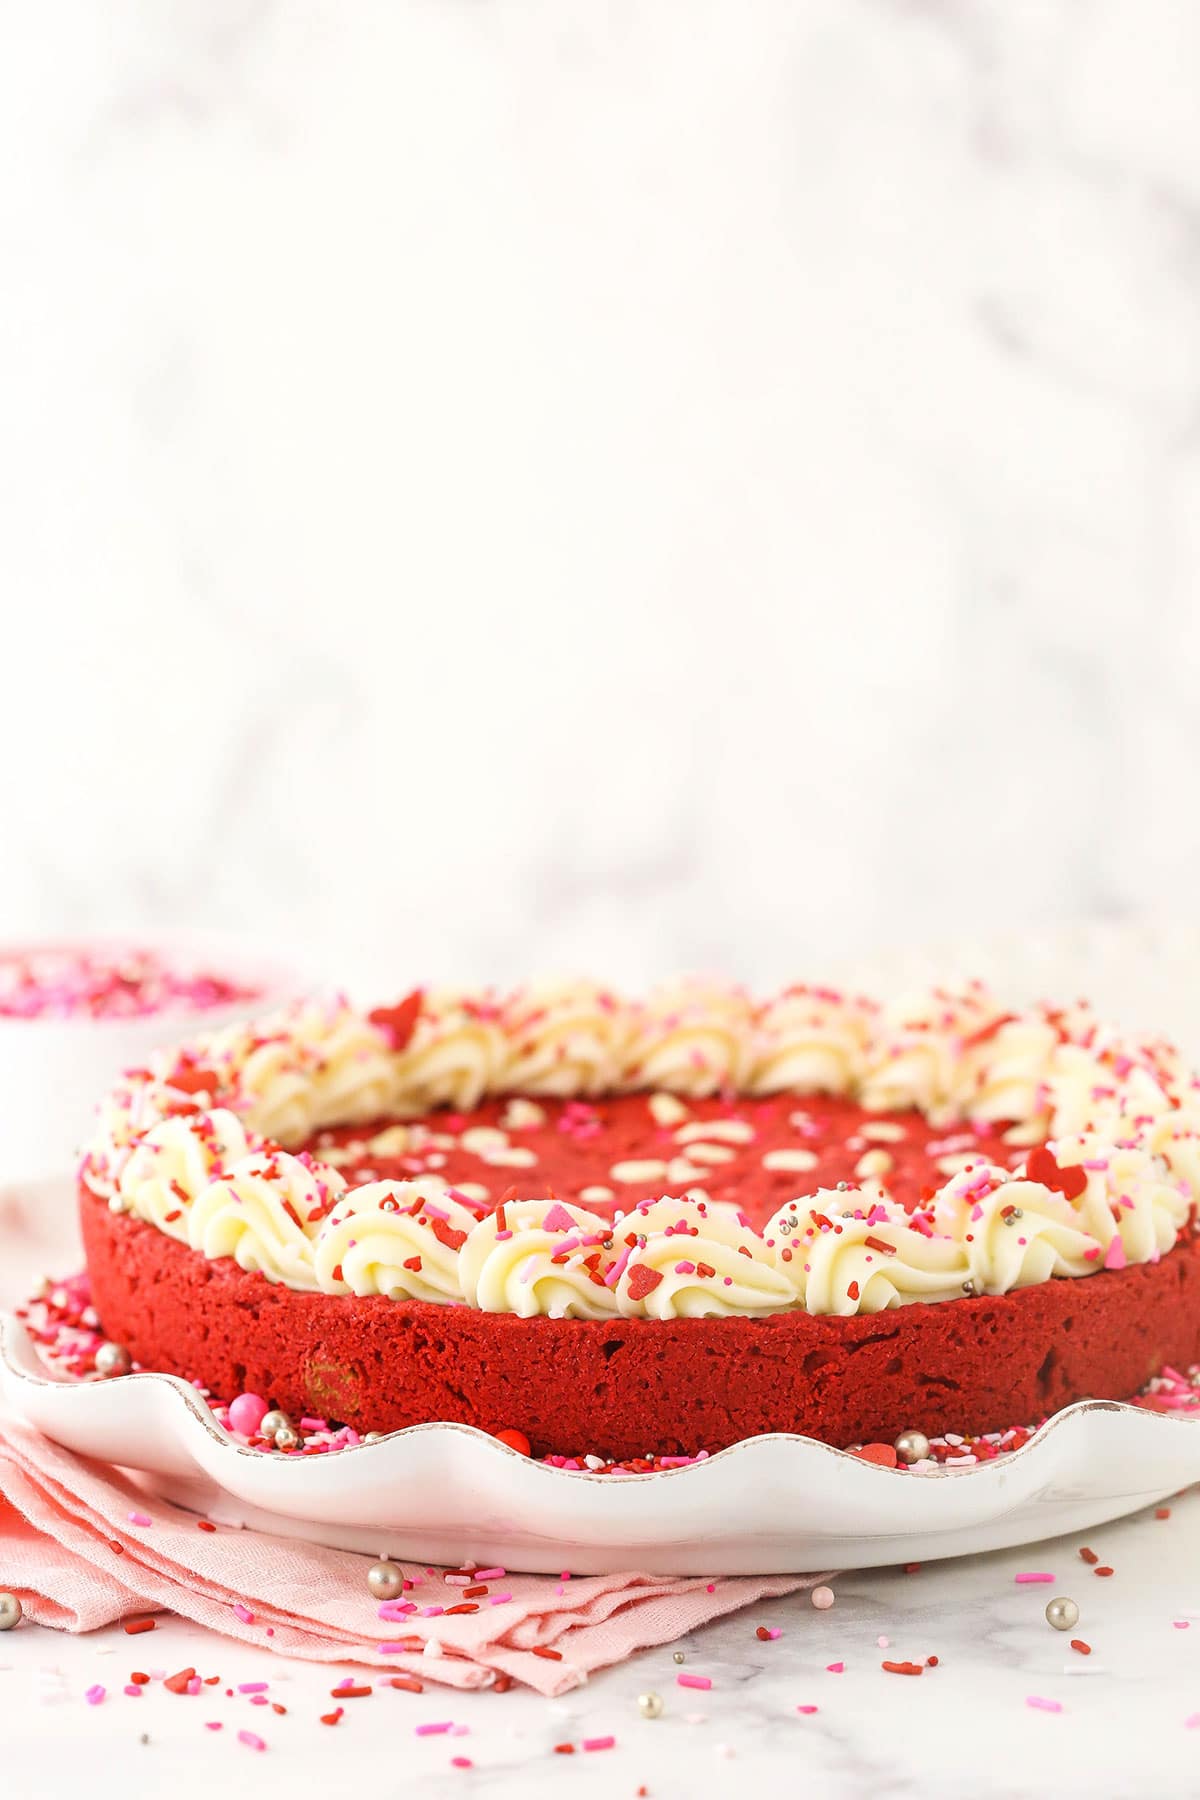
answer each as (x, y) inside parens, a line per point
(73, 1015)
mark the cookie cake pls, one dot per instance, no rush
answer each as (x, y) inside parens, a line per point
(661, 1225)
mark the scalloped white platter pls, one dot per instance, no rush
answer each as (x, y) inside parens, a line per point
(442, 1493)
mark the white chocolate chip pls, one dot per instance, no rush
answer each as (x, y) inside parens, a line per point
(710, 1153)
(522, 1115)
(666, 1109)
(473, 1190)
(954, 1165)
(682, 1173)
(872, 1163)
(594, 1194)
(510, 1156)
(436, 1159)
(394, 1141)
(480, 1140)
(648, 1169)
(792, 1162)
(883, 1131)
(728, 1131)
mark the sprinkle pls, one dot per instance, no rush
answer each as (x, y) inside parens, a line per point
(346, 1691)
(1103, 1569)
(213, 1725)
(545, 1651)
(95, 1694)
(140, 1518)
(1034, 1575)
(1180, 1624)
(1083, 1649)
(407, 1683)
(1040, 1705)
(806, 1709)
(600, 1743)
(333, 1717)
(685, 1680)
(822, 1598)
(253, 1687)
(134, 1627)
(767, 1634)
(1192, 1722)
(461, 1762)
(903, 1668)
(1088, 1556)
(251, 1740)
(1162, 1512)
(243, 1613)
(837, 1668)
(178, 1683)
(433, 1730)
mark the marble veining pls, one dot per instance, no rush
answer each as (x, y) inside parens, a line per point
(496, 487)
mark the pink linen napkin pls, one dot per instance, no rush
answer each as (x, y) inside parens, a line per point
(73, 1550)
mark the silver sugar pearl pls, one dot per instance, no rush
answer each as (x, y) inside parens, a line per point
(1062, 1613)
(650, 1706)
(912, 1446)
(10, 1611)
(386, 1580)
(678, 1655)
(287, 1438)
(273, 1422)
(112, 1359)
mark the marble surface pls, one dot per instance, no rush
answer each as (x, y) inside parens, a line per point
(963, 1727)
(606, 487)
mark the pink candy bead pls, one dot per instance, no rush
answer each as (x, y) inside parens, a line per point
(247, 1413)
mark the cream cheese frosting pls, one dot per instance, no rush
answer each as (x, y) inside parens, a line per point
(196, 1144)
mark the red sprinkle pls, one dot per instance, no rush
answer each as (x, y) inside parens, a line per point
(134, 1627)
(333, 1717)
(205, 1525)
(516, 1440)
(178, 1683)
(1083, 1649)
(1088, 1556)
(1162, 1512)
(408, 1683)
(545, 1651)
(903, 1668)
(1103, 1570)
(349, 1693)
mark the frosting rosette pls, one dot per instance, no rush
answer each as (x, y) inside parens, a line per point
(688, 1259)
(455, 1054)
(174, 1161)
(564, 1040)
(844, 1257)
(810, 1040)
(690, 1039)
(396, 1238)
(261, 1213)
(535, 1257)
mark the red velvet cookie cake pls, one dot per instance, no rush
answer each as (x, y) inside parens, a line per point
(654, 1227)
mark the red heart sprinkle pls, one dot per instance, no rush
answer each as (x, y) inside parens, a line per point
(642, 1281)
(883, 1454)
(398, 1023)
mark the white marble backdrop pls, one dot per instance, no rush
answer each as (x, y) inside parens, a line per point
(490, 486)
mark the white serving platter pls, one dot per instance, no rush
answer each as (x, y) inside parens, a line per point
(442, 1493)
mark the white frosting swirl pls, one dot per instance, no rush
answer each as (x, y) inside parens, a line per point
(914, 1059)
(261, 1214)
(398, 1238)
(863, 1258)
(564, 1040)
(455, 1055)
(706, 1263)
(690, 1039)
(810, 1041)
(514, 1261)
(174, 1162)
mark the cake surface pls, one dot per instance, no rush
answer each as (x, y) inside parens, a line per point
(660, 1227)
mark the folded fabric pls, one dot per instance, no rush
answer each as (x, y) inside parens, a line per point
(82, 1545)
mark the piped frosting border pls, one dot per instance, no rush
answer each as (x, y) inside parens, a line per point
(196, 1145)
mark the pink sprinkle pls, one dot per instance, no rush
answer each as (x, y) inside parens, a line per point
(499, 1599)
(134, 1692)
(246, 1413)
(1040, 1705)
(685, 1268)
(883, 1642)
(95, 1695)
(1034, 1575)
(558, 1219)
(213, 1725)
(139, 1518)
(838, 1668)
(391, 1649)
(604, 1743)
(806, 1709)
(464, 1762)
(490, 1574)
(194, 1685)
(442, 1726)
(243, 1613)
(694, 1681)
(1115, 1256)
(458, 1580)
(251, 1740)
(253, 1687)
(1193, 1722)
(1180, 1624)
